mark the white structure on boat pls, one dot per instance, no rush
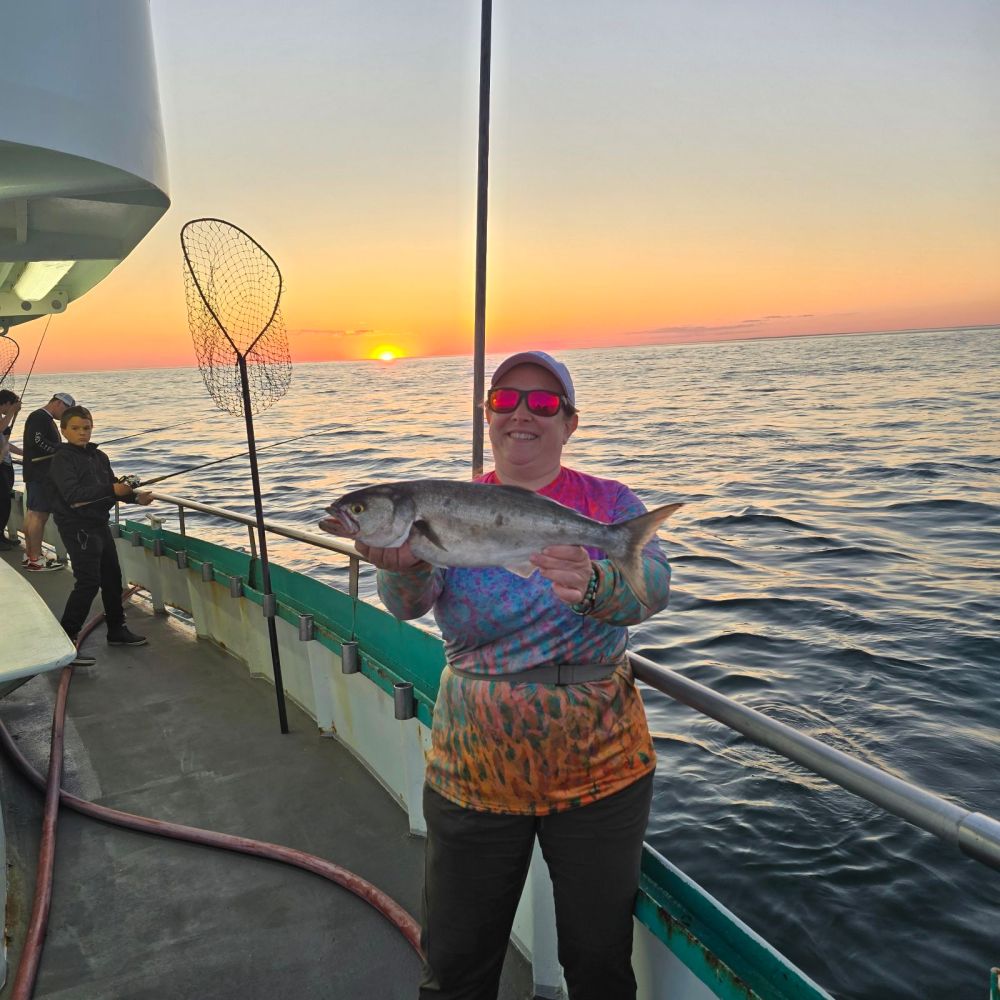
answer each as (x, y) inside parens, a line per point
(82, 163)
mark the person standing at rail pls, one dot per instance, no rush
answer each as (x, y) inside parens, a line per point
(539, 731)
(41, 439)
(84, 490)
(10, 406)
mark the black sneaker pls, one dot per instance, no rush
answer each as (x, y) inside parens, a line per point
(123, 637)
(82, 659)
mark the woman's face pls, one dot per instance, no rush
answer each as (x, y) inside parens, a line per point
(527, 448)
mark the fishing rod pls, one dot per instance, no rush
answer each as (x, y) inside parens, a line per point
(218, 461)
(41, 341)
(33, 360)
(137, 483)
(128, 437)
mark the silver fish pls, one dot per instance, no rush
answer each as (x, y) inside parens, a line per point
(449, 523)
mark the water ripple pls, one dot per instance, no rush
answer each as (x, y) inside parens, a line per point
(837, 566)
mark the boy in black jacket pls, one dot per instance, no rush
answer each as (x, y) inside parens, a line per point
(84, 492)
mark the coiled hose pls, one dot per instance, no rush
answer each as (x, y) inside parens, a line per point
(27, 972)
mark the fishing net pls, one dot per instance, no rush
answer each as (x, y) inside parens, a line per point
(9, 350)
(233, 290)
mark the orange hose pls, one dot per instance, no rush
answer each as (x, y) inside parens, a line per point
(24, 982)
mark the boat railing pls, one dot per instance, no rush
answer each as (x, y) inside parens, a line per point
(975, 834)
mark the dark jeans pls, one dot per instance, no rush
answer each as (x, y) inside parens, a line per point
(6, 493)
(95, 568)
(475, 868)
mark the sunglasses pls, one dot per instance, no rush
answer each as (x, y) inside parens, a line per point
(541, 402)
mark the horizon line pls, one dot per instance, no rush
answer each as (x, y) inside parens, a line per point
(650, 343)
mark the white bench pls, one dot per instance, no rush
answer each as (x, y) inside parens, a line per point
(31, 639)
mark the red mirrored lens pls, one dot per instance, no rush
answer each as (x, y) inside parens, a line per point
(542, 403)
(504, 400)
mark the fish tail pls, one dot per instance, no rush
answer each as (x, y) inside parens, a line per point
(638, 531)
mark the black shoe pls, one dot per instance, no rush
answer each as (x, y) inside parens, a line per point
(121, 636)
(5, 546)
(82, 659)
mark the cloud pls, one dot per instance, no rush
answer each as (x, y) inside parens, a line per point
(332, 333)
(742, 326)
(685, 330)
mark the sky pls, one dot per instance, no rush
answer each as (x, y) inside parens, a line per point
(660, 171)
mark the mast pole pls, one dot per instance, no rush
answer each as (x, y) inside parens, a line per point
(479, 353)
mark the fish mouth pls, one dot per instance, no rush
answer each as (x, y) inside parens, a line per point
(339, 523)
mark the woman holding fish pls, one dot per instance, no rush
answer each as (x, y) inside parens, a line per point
(538, 729)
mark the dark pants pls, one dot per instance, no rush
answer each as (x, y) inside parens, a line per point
(475, 868)
(6, 493)
(95, 568)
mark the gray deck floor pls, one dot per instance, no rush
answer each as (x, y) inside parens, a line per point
(177, 730)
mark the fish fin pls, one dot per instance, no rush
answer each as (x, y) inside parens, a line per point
(423, 527)
(640, 530)
(524, 569)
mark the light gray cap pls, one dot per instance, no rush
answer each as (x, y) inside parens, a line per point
(64, 397)
(543, 360)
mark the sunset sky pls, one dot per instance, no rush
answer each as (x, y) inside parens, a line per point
(660, 170)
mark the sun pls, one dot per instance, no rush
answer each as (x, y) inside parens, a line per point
(385, 353)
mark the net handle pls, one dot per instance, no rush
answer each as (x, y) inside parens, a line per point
(197, 284)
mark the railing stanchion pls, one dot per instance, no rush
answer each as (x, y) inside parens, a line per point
(354, 574)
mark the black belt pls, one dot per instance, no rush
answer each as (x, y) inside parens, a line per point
(559, 674)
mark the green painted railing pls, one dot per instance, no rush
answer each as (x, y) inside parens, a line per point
(722, 951)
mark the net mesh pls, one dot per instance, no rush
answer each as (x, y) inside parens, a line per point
(9, 350)
(233, 289)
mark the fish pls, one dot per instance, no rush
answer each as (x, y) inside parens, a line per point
(451, 524)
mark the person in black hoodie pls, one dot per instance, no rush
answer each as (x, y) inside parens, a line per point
(84, 492)
(10, 406)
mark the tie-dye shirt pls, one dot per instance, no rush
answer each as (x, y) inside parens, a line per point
(531, 748)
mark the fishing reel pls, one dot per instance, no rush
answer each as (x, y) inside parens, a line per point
(132, 482)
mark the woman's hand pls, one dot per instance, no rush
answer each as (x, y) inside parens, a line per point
(569, 569)
(395, 560)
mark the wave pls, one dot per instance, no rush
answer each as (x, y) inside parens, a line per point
(972, 510)
(752, 519)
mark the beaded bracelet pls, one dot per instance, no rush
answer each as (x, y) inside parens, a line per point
(586, 605)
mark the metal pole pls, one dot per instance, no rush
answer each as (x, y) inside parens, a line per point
(975, 834)
(272, 634)
(479, 354)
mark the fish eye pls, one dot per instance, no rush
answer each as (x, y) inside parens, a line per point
(357, 508)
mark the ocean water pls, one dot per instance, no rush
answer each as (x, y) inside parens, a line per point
(836, 566)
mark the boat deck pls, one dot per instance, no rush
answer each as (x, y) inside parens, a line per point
(179, 731)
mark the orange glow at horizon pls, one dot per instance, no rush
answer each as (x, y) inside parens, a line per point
(801, 178)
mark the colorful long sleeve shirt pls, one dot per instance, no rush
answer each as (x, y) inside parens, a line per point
(529, 748)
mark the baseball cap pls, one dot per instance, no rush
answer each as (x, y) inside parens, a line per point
(64, 397)
(543, 360)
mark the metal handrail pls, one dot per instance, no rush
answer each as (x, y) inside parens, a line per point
(974, 833)
(284, 530)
